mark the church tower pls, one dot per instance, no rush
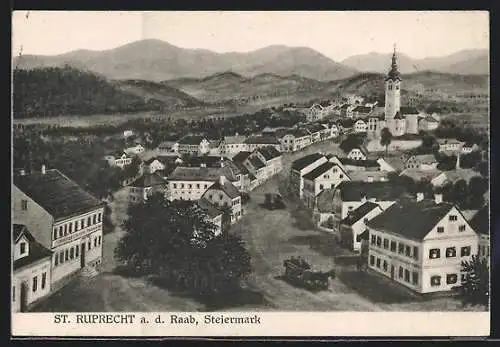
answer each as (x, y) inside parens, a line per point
(392, 92)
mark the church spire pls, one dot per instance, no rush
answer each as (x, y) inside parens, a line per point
(394, 72)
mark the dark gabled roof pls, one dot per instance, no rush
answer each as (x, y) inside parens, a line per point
(480, 221)
(56, 193)
(399, 115)
(380, 191)
(398, 218)
(269, 152)
(241, 156)
(208, 160)
(429, 119)
(148, 180)
(362, 109)
(424, 158)
(362, 163)
(304, 162)
(319, 171)
(191, 140)
(256, 162)
(296, 132)
(408, 110)
(262, 140)
(227, 188)
(314, 128)
(325, 103)
(359, 213)
(209, 208)
(35, 250)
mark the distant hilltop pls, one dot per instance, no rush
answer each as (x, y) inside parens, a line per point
(156, 60)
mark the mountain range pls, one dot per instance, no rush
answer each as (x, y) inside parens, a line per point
(156, 60)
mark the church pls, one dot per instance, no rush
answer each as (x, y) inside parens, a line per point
(399, 120)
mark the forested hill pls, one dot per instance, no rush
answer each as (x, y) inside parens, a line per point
(47, 92)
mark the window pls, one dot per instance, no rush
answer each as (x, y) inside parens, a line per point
(372, 260)
(94, 219)
(55, 233)
(35, 283)
(379, 241)
(71, 253)
(89, 245)
(182, 185)
(341, 176)
(44, 279)
(76, 226)
(400, 272)
(89, 221)
(65, 229)
(378, 263)
(452, 218)
(434, 253)
(321, 187)
(408, 251)
(350, 208)
(386, 243)
(77, 251)
(189, 186)
(22, 247)
(99, 218)
(95, 242)
(198, 185)
(61, 257)
(415, 252)
(175, 186)
(70, 228)
(435, 281)
(373, 239)
(384, 265)
(206, 186)
(451, 252)
(440, 229)
(66, 255)
(82, 223)
(401, 248)
(461, 227)
(463, 277)
(407, 275)
(414, 277)
(24, 205)
(99, 242)
(393, 246)
(451, 278)
(220, 196)
(465, 251)
(56, 260)
(61, 231)
(14, 293)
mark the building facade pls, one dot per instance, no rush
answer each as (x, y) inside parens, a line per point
(302, 166)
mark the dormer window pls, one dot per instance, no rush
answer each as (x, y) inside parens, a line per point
(22, 248)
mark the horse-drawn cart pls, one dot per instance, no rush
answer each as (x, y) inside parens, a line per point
(299, 273)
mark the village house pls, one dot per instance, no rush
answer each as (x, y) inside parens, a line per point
(449, 145)
(359, 164)
(145, 186)
(254, 142)
(222, 194)
(118, 160)
(368, 175)
(352, 226)
(358, 153)
(315, 112)
(167, 147)
(425, 256)
(360, 126)
(127, 134)
(63, 218)
(374, 125)
(325, 176)
(314, 130)
(391, 164)
(31, 263)
(162, 165)
(349, 195)
(249, 180)
(419, 175)
(213, 213)
(134, 150)
(469, 148)
(480, 223)
(152, 165)
(272, 158)
(295, 140)
(421, 162)
(232, 145)
(361, 111)
(302, 166)
(428, 123)
(194, 145)
(189, 183)
(453, 176)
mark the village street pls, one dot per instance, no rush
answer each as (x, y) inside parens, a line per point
(271, 237)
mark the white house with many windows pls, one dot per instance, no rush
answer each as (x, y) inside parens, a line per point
(426, 255)
(295, 140)
(62, 217)
(119, 160)
(31, 263)
(224, 194)
(302, 166)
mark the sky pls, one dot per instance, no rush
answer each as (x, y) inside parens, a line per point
(337, 35)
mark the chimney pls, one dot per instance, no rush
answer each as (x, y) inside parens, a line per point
(420, 196)
(22, 172)
(222, 180)
(457, 166)
(438, 198)
(43, 169)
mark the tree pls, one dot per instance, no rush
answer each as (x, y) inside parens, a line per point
(176, 241)
(476, 282)
(429, 145)
(460, 193)
(226, 218)
(351, 142)
(385, 138)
